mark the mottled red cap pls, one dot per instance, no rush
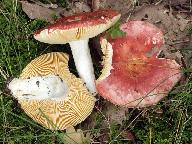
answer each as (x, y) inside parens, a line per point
(80, 26)
(133, 76)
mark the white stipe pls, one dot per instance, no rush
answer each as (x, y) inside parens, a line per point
(83, 63)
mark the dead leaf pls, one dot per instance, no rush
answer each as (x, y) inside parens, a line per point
(103, 138)
(173, 55)
(76, 137)
(49, 12)
(81, 7)
(76, 7)
(35, 11)
(115, 114)
(128, 135)
(159, 15)
(95, 4)
(159, 111)
(122, 6)
(177, 2)
(45, 5)
(182, 22)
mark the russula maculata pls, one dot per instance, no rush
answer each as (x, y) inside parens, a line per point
(60, 109)
(76, 30)
(133, 75)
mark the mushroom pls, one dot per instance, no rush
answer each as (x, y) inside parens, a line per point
(133, 75)
(50, 94)
(76, 30)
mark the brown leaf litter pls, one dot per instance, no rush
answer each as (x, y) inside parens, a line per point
(73, 136)
(115, 114)
(49, 12)
(36, 11)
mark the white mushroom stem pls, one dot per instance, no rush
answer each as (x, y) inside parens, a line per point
(83, 63)
(38, 88)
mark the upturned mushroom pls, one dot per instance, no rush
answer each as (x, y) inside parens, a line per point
(50, 94)
(76, 30)
(133, 75)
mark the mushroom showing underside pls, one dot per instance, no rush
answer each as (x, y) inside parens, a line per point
(133, 75)
(50, 94)
(76, 30)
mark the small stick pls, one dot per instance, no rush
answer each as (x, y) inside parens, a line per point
(3, 74)
(183, 63)
(158, 2)
(95, 5)
(45, 5)
(178, 42)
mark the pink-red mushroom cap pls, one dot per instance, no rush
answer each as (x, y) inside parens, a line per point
(80, 26)
(133, 75)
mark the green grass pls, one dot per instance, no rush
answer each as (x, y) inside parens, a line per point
(18, 48)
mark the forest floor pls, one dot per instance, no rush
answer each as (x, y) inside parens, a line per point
(170, 121)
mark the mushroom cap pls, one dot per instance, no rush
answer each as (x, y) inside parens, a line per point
(133, 75)
(80, 26)
(61, 113)
(145, 38)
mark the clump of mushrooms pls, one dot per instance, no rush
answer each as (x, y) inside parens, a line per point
(50, 94)
(76, 30)
(133, 75)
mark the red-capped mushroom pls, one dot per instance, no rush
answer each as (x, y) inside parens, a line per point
(76, 30)
(133, 75)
